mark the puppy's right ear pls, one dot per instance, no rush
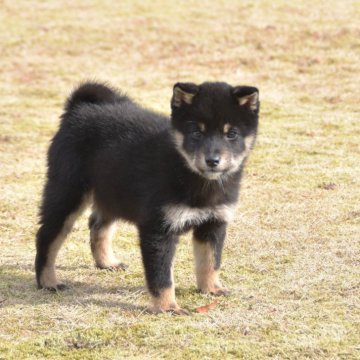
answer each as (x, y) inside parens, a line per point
(183, 93)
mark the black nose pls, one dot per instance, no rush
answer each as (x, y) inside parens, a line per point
(213, 161)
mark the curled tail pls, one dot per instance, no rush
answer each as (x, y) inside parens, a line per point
(93, 93)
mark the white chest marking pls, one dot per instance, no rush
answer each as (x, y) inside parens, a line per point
(179, 216)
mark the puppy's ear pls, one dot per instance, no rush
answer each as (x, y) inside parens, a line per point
(247, 96)
(183, 93)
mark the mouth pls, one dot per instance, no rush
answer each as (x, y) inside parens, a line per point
(212, 174)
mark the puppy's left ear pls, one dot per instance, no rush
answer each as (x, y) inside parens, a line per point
(247, 96)
(183, 93)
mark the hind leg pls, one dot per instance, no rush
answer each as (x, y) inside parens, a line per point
(60, 209)
(101, 233)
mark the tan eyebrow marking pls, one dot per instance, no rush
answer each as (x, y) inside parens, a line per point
(201, 126)
(227, 127)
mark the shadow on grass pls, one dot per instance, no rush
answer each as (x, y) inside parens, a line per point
(18, 287)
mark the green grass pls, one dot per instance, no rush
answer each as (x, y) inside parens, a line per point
(292, 254)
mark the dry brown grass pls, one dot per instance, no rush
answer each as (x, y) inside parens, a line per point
(292, 257)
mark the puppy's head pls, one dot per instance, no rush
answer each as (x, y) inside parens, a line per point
(214, 126)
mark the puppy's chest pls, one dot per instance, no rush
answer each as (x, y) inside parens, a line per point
(180, 217)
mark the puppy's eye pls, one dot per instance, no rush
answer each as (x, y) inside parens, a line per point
(196, 134)
(232, 134)
(194, 130)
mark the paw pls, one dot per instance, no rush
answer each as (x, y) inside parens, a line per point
(54, 288)
(115, 267)
(174, 310)
(179, 311)
(216, 291)
(220, 291)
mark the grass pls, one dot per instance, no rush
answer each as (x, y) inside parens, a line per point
(292, 254)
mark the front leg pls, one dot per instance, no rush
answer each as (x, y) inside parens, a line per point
(208, 241)
(158, 250)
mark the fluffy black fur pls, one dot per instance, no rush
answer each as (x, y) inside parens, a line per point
(137, 165)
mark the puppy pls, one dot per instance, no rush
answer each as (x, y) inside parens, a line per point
(165, 176)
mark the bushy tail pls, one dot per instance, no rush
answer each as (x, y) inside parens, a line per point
(93, 93)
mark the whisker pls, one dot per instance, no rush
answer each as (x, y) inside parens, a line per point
(221, 184)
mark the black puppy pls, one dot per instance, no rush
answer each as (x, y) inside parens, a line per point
(165, 176)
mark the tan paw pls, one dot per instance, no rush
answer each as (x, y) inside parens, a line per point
(179, 311)
(172, 310)
(116, 267)
(220, 291)
(54, 288)
(217, 291)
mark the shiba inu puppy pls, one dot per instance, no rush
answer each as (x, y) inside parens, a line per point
(165, 176)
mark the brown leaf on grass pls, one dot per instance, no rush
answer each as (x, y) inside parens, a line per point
(204, 309)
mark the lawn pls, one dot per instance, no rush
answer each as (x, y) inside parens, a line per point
(292, 256)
